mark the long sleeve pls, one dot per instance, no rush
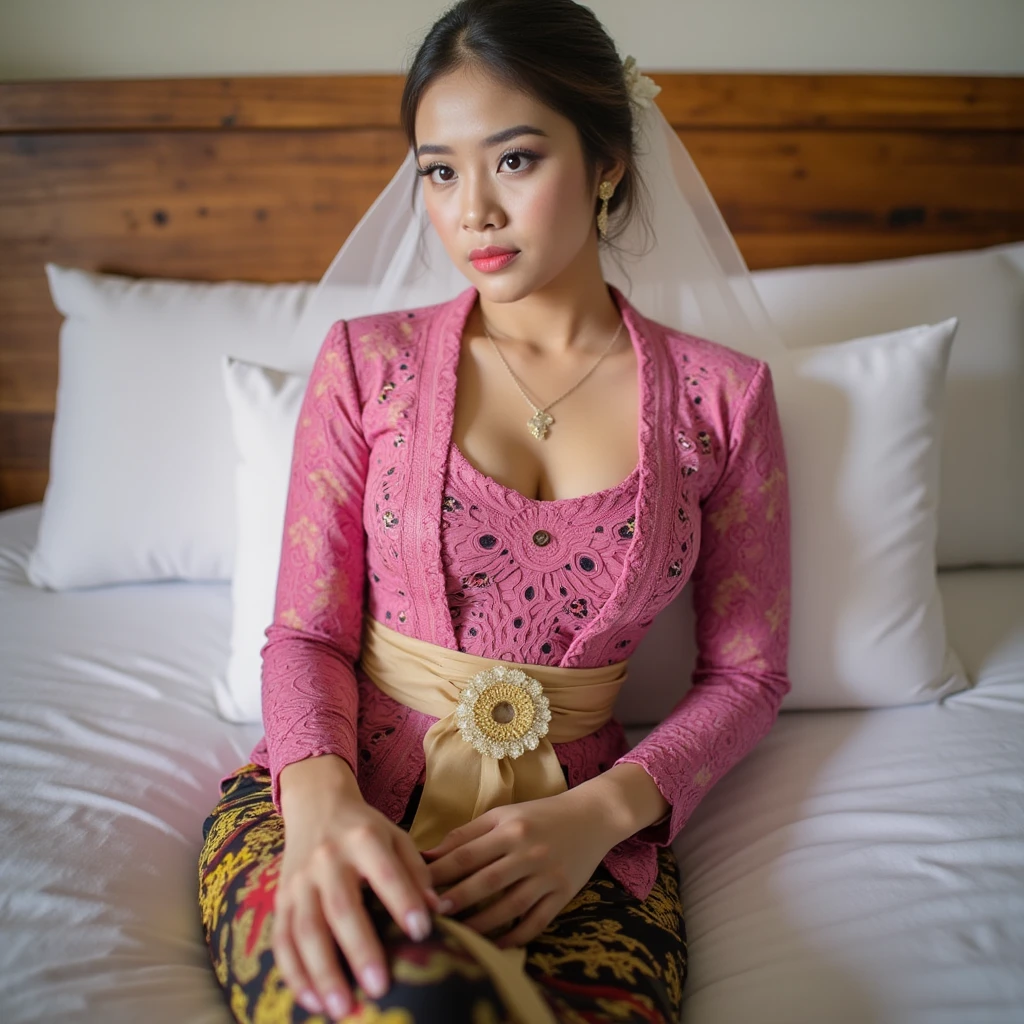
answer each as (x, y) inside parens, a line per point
(741, 596)
(309, 688)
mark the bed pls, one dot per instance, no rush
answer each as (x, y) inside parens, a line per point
(860, 864)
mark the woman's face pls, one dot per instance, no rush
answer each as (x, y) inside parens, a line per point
(504, 170)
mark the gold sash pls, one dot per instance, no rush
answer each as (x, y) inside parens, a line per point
(461, 781)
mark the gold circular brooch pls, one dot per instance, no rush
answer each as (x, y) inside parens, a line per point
(503, 712)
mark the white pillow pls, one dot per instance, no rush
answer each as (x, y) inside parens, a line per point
(141, 456)
(264, 405)
(861, 424)
(982, 472)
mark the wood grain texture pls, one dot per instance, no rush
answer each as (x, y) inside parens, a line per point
(261, 178)
(348, 101)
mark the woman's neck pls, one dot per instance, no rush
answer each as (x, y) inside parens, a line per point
(562, 319)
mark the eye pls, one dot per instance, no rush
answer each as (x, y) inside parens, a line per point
(517, 156)
(428, 171)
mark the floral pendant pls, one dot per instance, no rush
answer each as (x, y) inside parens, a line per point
(539, 423)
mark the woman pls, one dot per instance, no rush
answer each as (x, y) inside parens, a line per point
(523, 475)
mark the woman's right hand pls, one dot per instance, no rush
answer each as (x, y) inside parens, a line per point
(334, 841)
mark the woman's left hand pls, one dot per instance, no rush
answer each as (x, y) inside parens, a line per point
(535, 855)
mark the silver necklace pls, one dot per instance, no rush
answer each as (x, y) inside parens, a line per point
(541, 418)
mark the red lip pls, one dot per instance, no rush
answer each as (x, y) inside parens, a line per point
(491, 250)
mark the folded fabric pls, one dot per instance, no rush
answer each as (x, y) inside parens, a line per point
(496, 722)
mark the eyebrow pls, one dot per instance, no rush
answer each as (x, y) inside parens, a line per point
(492, 140)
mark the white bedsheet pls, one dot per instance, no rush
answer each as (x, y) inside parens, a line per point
(860, 866)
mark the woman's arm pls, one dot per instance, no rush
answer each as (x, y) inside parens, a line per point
(309, 686)
(741, 596)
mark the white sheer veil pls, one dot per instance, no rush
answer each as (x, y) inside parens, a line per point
(693, 277)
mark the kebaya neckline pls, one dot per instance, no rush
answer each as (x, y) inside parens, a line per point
(580, 499)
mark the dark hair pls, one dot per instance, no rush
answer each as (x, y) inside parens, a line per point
(556, 51)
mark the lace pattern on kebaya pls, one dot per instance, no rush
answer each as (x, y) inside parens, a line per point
(519, 591)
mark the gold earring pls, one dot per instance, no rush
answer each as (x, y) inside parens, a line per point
(606, 191)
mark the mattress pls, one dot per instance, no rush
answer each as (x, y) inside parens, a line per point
(856, 866)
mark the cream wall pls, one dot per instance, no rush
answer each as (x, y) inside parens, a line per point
(127, 38)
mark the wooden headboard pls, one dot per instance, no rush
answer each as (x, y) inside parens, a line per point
(262, 178)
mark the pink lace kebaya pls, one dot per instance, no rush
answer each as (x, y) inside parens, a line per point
(386, 517)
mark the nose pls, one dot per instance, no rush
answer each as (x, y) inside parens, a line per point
(480, 208)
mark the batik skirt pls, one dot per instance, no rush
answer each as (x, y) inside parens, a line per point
(607, 956)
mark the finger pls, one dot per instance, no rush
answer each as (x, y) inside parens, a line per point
(288, 962)
(390, 878)
(315, 946)
(464, 860)
(342, 899)
(463, 834)
(492, 879)
(533, 924)
(517, 901)
(414, 862)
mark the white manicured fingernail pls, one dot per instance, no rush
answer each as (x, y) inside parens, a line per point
(375, 981)
(310, 1001)
(417, 924)
(337, 1005)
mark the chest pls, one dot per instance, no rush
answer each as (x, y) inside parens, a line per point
(590, 446)
(623, 419)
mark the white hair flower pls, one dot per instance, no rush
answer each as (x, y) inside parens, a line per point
(502, 712)
(642, 89)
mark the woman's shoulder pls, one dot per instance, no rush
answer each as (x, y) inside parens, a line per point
(382, 354)
(688, 348)
(383, 333)
(709, 372)
(384, 348)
